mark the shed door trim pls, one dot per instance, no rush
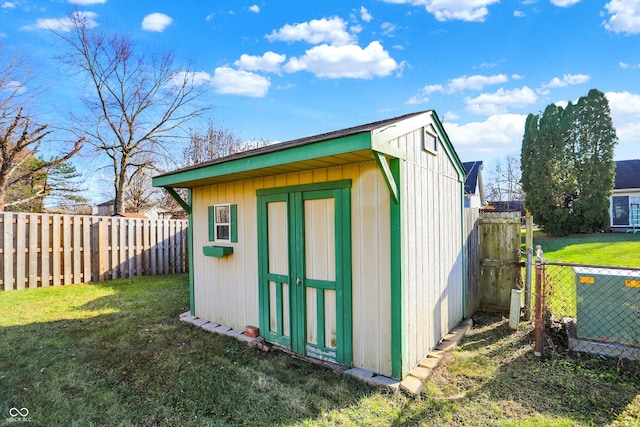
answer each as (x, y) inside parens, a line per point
(284, 309)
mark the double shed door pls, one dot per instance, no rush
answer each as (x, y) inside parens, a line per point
(304, 245)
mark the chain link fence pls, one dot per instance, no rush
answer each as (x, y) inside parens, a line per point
(590, 309)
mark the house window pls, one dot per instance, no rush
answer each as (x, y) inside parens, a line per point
(223, 223)
(429, 140)
(620, 210)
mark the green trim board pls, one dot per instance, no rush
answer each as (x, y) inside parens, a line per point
(174, 194)
(344, 145)
(296, 278)
(396, 252)
(383, 165)
(192, 288)
(331, 185)
(451, 152)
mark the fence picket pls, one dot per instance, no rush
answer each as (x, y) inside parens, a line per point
(66, 246)
(39, 250)
(21, 232)
(56, 248)
(7, 252)
(86, 249)
(45, 254)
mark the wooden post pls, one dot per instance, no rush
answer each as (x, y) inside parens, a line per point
(537, 350)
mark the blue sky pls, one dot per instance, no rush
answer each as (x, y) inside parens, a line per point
(279, 70)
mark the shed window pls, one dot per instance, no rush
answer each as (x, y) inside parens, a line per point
(430, 140)
(223, 223)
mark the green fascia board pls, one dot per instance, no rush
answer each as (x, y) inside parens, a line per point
(446, 142)
(347, 144)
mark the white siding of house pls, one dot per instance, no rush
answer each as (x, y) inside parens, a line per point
(226, 289)
(432, 269)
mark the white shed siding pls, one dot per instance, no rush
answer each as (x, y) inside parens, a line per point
(432, 296)
(226, 289)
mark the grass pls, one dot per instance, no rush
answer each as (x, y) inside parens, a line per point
(597, 248)
(116, 354)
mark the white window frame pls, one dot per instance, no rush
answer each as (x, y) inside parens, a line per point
(222, 223)
(430, 140)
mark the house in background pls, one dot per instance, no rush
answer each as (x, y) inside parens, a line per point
(473, 185)
(346, 246)
(625, 200)
(152, 212)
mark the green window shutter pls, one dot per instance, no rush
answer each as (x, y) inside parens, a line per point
(212, 223)
(233, 220)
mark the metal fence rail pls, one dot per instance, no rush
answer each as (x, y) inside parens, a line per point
(591, 309)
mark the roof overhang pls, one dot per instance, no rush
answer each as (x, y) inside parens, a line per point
(348, 146)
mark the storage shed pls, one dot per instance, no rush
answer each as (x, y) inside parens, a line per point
(346, 246)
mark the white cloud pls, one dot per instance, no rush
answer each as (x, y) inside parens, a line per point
(388, 28)
(568, 79)
(365, 15)
(316, 31)
(625, 16)
(255, 8)
(459, 84)
(228, 81)
(157, 22)
(498, 134)
(564, 3)
(269, 62)
(445, 10)
(8, 5)
(197, 78)
(348, 61)
(64, 24)
(623, 65)
(501, 100)
(519, 14)
(625, 114)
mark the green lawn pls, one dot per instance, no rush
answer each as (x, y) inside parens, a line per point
(115, 354)
(597, 248)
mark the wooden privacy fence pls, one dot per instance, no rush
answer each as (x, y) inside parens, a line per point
(38, 250)
(472, 243)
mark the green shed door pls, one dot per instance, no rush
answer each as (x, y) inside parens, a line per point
(305, 271)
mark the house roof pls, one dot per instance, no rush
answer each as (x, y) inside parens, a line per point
(472, 169)
(350, 145)
(627, 174)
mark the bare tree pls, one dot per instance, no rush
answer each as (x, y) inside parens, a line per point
(214, 143)
(503, 183)
(136, 104)
(20, 141)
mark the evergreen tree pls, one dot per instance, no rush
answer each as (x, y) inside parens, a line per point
(567, 165)
(594, 138)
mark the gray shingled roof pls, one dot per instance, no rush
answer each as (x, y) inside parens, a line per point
(301, 141)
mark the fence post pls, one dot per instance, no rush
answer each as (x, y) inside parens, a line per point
(527, 284)
(539, 303)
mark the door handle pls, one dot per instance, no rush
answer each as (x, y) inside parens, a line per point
(299, 281)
